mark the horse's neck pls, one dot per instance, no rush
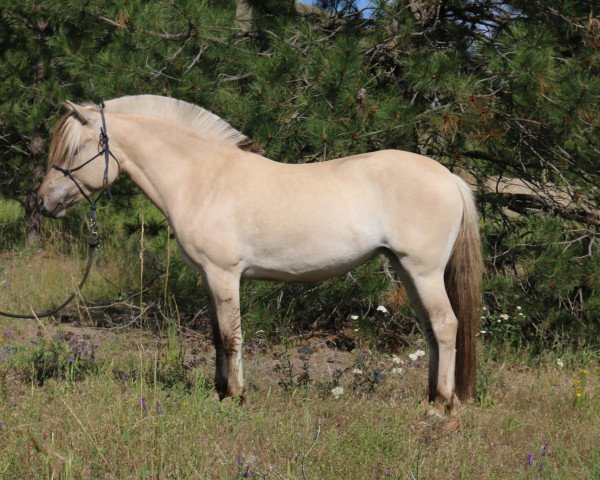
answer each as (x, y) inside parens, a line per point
(164, 161)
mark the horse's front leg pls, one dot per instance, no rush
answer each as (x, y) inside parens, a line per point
(227, 331)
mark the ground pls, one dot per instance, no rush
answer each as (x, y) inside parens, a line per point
(129, 403)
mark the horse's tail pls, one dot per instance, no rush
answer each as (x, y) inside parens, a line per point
(463, 284)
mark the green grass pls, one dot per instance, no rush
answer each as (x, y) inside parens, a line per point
(10, 211)
(97, 427)
(12, 229)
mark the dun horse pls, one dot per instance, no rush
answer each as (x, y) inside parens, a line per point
(237, 214)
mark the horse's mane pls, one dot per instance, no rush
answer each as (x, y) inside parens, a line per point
(67, 134)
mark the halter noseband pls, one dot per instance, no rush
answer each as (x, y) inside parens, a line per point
(105, 150)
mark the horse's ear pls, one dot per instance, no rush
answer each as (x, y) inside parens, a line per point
(81, 113)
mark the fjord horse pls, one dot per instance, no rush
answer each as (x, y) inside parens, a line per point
(237, 214)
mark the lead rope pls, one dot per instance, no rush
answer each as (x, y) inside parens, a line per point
(94, 240)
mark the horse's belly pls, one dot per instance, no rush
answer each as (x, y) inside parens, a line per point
(300, 266)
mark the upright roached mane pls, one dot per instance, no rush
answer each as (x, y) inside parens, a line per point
(67, 133)
(239, 215)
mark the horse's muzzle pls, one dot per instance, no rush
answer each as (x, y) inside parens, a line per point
(55, 211)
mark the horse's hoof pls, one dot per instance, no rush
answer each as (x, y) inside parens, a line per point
(441, 407)
(239, 398)
(436, 411)
(216, 396)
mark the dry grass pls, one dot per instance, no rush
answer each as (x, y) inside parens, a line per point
(36, 281)
(97, 428)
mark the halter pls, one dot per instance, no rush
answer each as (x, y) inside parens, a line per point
(105, 150)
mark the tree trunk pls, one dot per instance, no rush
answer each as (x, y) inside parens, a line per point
(524, 197)
(243, 15)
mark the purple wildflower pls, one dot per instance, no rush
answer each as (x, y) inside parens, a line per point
(545, 449)
(122, 376)
(239, 460)
(8, 334)
(71, 359)
(159, 409)
(1, 425)
(6, 351)
(530, 459)
(79, 346)
(246, 472)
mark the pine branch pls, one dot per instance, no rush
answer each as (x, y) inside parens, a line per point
(191, 33)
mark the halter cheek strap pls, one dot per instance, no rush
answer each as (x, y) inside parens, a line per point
(103, 141)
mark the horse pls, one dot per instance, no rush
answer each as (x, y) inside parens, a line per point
(237, 214)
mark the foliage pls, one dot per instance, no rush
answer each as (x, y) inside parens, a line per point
(494, 90)
(68, 357)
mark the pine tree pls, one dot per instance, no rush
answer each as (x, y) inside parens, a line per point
(28, 84)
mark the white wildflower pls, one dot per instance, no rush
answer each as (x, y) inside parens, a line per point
(397, 370)
(483, 332)
(420, 353)
(357, 371)
(413, 356)
(518, 308)
(337, 392)
(560, 363)
(354, 317)
(356, 329)
(396, 359)
(382, 309)
(504, 316)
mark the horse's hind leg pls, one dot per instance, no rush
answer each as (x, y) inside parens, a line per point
(432, 305)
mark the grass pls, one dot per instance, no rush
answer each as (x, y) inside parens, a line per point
(12, 228)
(98, 427)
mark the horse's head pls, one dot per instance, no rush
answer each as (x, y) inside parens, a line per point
(71, 178)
